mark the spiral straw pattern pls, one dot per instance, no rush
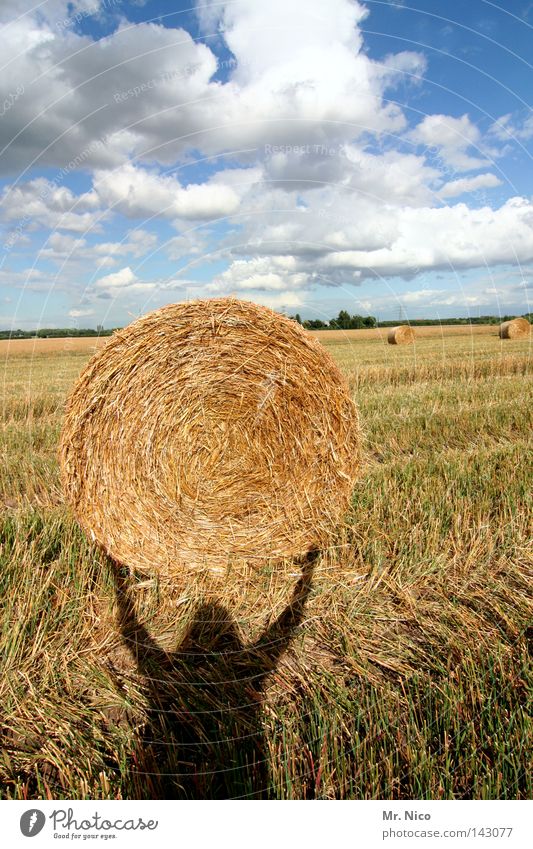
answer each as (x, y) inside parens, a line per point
(206, 432)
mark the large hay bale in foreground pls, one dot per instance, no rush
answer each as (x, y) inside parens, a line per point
(207, 432)
(401, 335)
(516, 328)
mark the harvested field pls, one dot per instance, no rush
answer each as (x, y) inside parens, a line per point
(430, 332)
(65, 346)
(14, 347)
(402, 668)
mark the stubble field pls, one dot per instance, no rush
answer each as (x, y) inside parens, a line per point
(401, 668)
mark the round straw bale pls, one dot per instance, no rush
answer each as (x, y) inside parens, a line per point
(401, 335)
(516, 328)
(207, 432)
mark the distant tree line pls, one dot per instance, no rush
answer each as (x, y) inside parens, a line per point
(344, 321)
(55, 333)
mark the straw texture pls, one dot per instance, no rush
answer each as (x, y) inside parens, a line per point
(401, 335)
(516, 328)
(206, 432)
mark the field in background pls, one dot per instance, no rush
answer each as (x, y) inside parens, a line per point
(14, 347)
(409, 676)
(429, 332)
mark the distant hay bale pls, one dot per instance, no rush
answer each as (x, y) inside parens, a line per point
(516, 328)
(401, 335)
(209, 432)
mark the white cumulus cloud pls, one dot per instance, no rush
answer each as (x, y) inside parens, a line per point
(139, 193)
(453, 138)
(469, 184)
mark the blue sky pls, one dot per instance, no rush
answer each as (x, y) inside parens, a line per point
(312, 156)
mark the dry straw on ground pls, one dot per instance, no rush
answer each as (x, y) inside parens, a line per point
(401, 335)
(210, 432)
(517, 328)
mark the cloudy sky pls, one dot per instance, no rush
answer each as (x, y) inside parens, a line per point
(310, 155)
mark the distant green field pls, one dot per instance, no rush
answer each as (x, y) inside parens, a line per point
(406, 674)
